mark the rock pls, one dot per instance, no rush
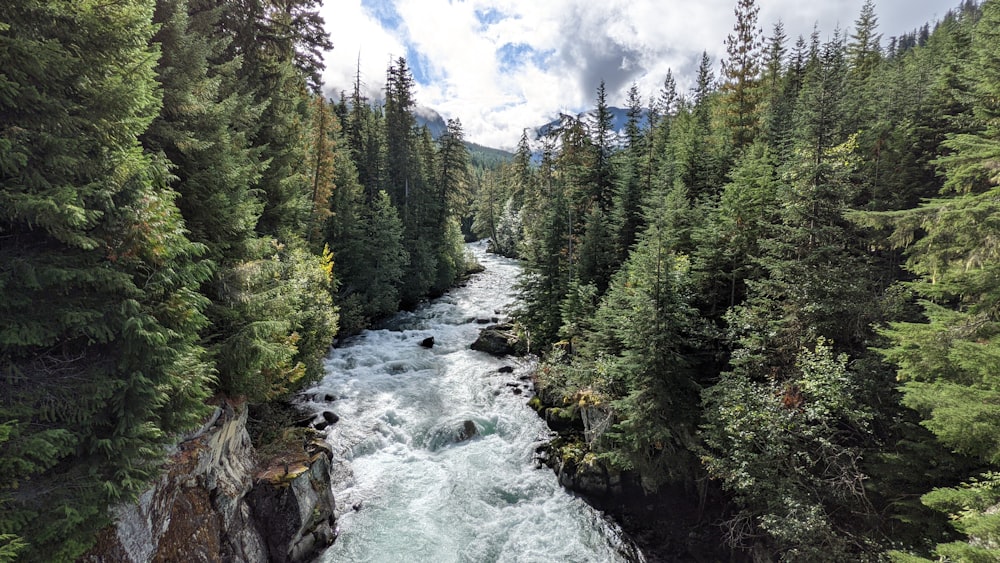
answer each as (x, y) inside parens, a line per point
(314, 447)
(496, 340)
(468, 431)
(295, 512)
(210, 506)
(483, 321)
(329, 418)
(197, 511)
(506, 369)
(304, 422)
(324, 398)
(427, 342)
(518, 391)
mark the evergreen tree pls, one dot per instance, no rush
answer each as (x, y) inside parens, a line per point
(945, 361)
(741, 72)
(602, 131)
(98, 352)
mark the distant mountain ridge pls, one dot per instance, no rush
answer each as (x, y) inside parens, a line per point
(619, 118)
(481, 156)
(436, 124)
(430, 118)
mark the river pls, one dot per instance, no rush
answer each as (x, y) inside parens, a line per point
(409, 485)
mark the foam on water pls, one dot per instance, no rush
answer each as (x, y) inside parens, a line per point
(409, 484)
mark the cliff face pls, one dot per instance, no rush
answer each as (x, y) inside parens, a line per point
(211, 505)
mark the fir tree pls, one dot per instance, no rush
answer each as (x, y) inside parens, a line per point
(98, 353)
(741, 72)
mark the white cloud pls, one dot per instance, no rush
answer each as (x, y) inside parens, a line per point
(575, 44)
(357, 36)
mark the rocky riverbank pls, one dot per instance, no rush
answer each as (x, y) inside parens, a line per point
(675, 523)
(220, 499)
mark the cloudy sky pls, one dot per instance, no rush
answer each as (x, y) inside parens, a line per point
(503, 65)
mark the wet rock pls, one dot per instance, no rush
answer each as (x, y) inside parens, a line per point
(467, 432)
(517, 391)
(483, 321)
(304, 422)
(427, 342)
(506, 369)
(329, 418)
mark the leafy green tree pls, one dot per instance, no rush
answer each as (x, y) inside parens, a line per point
(785, 448)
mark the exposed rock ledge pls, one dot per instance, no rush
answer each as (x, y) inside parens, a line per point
(215, 504)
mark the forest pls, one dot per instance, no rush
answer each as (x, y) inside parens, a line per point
(185, 217)
(781, 284)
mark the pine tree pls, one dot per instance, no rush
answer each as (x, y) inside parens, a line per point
(324, 131)
(626, 217)
(399, 134)
(602, 131)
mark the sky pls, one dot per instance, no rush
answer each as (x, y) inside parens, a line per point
(503, 65)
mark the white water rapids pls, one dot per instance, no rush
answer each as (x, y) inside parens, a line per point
(406, 487)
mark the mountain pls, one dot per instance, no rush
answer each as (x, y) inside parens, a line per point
(619, 117)
(431, 119)
(554, 128)
(479, 155)
(487, 157)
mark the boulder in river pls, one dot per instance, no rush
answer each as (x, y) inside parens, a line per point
(329, 418)
(467, 432)
(496, 340)
(427, 342)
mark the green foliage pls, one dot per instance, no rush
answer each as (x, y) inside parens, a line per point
(759, 183)
(100, 360)
(787, 449)
(371, 265)
(972, 507)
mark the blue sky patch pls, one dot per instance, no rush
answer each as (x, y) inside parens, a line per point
(515, 55)
(384, 11)
(418, 64)
(489, 17)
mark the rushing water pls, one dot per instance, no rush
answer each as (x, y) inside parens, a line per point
(407, 486)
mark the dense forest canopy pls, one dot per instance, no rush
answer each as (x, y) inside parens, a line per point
(780, 285)
(185, 218)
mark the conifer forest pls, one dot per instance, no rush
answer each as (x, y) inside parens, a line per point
(778, 290)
